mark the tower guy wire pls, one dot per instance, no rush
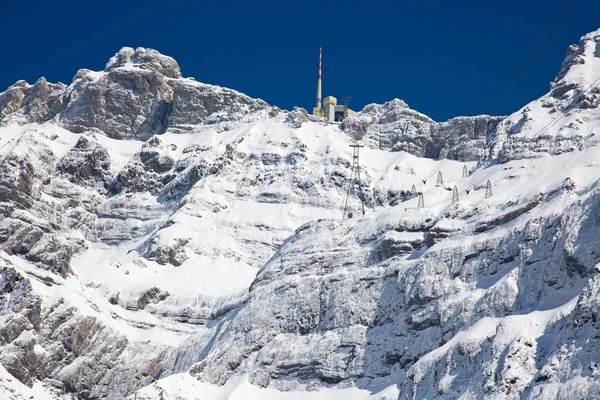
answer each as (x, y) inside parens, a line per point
(354, 184)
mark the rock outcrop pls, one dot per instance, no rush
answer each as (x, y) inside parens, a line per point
(564, 120)
(154, 227)
(140, 93)
(394, 126)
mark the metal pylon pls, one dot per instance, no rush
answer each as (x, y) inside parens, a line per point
(354, 184)
(440, 180)
(488, 189)
(465, 172)
(346, 101)
(421, 201)
(455, 195)
(413, 191)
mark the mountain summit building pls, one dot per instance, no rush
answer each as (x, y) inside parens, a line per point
(329, 109)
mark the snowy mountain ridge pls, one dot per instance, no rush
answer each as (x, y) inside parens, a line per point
(164, 238)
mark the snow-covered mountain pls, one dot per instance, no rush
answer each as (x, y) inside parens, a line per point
(162, 238)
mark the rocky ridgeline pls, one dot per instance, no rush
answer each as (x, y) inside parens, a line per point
(562, 120)
(394, 126)
(555, 123)
(361, 304)
(140, 93)
(93, 169)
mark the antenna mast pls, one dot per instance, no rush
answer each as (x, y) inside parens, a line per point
(319, 79)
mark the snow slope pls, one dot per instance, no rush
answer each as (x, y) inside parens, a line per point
(164, 238)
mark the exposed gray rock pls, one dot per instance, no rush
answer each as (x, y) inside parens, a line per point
(173, 254)
(297, 117)
(52, 339)
(149, 171)
(393, 126)
(360, 310)
(389, 299)
(23, 103)
(396, 127)
(556, 122)
(145, 59)
(87, 164)
(195, 103)
(123, 103)
(152, 295)
(463, 138)
(46, 249)
(139, 94)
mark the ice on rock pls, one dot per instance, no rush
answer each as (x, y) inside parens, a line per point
(145, 59)
(162, 238)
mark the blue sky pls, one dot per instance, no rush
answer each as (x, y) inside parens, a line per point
(443, 58)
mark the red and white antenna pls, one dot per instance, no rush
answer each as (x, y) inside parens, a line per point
(319, 80)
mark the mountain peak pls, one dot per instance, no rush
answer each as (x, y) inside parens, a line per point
(145, 59)
(579, 64)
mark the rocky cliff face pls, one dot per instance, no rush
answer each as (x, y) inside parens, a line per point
(161, 238)
(140, 93)
(394, 126)
(24, 103)
(555, 123)
(562, 120)
(117, 253)
(447, 304)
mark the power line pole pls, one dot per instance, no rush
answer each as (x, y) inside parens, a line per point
(455, 195)
(346, 101)
(354, 185)
(488, 189)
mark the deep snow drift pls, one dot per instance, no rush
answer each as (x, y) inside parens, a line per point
(164, 238)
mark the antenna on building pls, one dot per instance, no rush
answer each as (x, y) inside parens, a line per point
(488, 189)
(319, 78)
(354, 184)
(440, 180)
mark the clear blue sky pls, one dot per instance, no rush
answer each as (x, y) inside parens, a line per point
(443, 58)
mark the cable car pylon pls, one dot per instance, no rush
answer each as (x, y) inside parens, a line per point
(488, 189)
(455, 195)
(354, 184)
